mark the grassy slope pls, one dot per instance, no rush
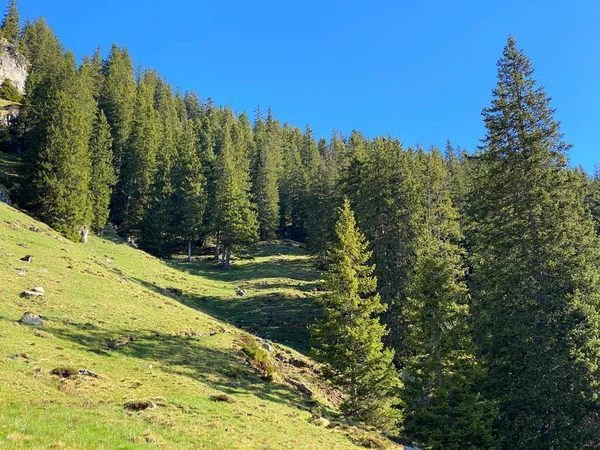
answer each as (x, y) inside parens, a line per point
(105, 291)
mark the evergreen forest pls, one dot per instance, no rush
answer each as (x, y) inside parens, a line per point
(461, 289)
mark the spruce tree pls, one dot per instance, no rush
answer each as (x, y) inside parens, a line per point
(348, 340)
(118, 100)
(235, 217)
(11, 24)
(267, 168)
(189, 197)
(138, 162)
(443, 407)
(535, 276)
(156, 235)
(103, 177)
(62, 179)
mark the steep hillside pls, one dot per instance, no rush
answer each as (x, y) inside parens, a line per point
(123, 331)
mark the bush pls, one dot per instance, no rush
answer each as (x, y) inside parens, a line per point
(9, 92)
(260, 359)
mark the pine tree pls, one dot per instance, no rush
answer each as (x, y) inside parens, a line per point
(156, 235)
(349, 338)
(535, 275)
(443, 408)
(235, 220)
(118, 100)
(62, 178)
(11, 23)
(103, 177)
(293, 188)
(189, 202)
(138, 162)
(267, 168)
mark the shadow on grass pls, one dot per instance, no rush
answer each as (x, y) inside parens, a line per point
(189, 356)
(249, 270)
(280, 317)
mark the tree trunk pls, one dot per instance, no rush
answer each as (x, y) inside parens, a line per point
(217, 249)
(227, 256)
(189, 258)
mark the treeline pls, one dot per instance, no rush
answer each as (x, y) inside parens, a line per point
(466, 315)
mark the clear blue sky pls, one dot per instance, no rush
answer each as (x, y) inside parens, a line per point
(418, 70)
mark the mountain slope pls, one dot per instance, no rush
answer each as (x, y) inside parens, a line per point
(134, 321)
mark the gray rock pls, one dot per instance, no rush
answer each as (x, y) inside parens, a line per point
(30, 318)
(35, 292)
(4, 198)
(301, 386)
(267, 345)
(241, 292)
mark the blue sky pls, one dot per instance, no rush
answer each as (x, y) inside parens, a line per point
(419, 70)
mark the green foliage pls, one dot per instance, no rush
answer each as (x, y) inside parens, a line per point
(267, 172)
(11, 23)
(260, 359)
(9, 92)
(236, 220)
(103, 176)
(349, 338)
(189, 197)
(443, 408)
(535, 276)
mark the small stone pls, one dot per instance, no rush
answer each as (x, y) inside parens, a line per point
(35, 292)
(30, 318)
(43, 270)
(24, 245)
(267, 345)
(241, 292)
(34, 229)
(21, 272)
(148, 366)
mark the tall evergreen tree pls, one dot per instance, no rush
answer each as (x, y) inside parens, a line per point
(267, 168)
(189, 202)
(236, 221)
(103, 176)
(443, 408)
(348, 340)
(138, 162)
(118, 100)
(535, 276)
(62, 179)
(11, 24)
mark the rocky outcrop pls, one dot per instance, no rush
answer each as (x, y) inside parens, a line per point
(13, 65)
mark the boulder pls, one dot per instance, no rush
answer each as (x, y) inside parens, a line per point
(27, 258)
(30, 318)
(301, 386)
(241, 292)
(35, 292)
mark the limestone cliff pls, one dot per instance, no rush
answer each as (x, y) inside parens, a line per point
(13, 65)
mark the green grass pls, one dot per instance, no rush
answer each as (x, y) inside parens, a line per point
(106, 309)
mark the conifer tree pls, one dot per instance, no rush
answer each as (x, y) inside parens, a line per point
(266, 183)
(157, 225)
(189, 202)
(348, 340)
(236, 222)
(118, 100)
(11, 24)
(103, 176)
(535, 276)
(62, 178)
(294, 186)
(138, 162)
(443, 408)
